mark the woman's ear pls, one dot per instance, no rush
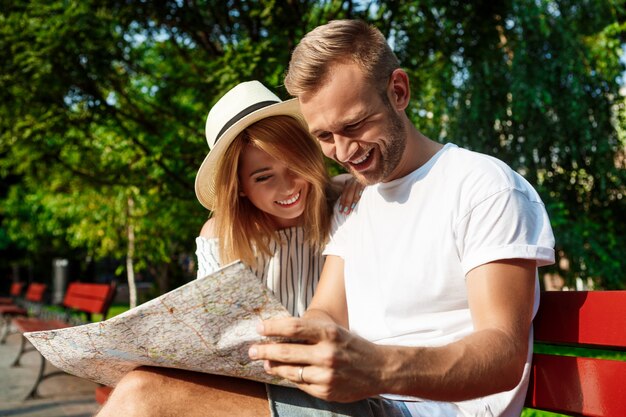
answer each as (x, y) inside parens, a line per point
(399, 90)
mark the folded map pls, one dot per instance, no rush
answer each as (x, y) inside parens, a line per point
(206, 325)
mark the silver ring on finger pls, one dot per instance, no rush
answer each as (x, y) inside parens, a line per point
(301, 376)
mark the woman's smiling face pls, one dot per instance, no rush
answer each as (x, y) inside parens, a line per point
(272, 187)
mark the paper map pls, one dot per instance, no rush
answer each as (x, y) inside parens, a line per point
(206, 325)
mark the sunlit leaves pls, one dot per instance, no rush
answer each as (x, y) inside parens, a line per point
(104, 100)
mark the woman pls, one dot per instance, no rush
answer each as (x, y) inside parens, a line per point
(266, 183)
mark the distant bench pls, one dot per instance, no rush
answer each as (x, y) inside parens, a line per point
(33, 300)
(577, 385)
(14, 293)
(80, 299)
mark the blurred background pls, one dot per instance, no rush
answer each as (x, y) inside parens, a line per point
(103, 104)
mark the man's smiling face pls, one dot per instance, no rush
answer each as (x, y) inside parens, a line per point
(354, 124)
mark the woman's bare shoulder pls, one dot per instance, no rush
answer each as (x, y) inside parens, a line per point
(208, 229)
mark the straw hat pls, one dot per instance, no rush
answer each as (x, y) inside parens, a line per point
(240, 107)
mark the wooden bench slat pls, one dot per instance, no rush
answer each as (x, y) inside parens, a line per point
(583, 386)
(16, 289)
(91, 306)
(89, 290)
(582, 317)
(31, 324)
(92, 298)
(12, 310)
(35, 292)
(576, 385)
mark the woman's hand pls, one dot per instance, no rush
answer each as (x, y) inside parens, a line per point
(351, 193)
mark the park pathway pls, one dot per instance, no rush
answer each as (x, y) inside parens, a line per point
(59, 396)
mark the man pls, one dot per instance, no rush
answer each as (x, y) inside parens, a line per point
(438, 263)
(434, 273)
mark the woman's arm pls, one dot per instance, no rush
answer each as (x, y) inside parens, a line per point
(329, 301)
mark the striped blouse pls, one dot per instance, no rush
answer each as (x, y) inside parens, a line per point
(291, 273)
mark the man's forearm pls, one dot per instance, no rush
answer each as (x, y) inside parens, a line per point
(481, 364)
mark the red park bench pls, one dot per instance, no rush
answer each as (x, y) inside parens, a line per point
(80, 299)
(14, 293)
(33, 300)
(578, 385)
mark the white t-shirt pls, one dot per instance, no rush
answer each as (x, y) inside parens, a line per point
(291, 273)
(409, 244)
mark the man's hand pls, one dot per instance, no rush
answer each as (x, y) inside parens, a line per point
(330, 362)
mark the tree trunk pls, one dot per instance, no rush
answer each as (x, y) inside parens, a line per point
(161, 275)
(130, 270)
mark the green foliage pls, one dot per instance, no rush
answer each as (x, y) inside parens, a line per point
(535, 83)
(102, 101)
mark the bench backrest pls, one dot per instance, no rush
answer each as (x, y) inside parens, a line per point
(16, 289)
(35, 292)
(89, 298)
(577, 385)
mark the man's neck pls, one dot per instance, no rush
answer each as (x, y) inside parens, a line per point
(419, 150)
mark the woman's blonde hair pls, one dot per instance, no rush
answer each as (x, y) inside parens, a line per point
(337, 42)
(243, 229)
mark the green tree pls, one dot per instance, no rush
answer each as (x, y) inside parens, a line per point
(535, 83)
(101, 101)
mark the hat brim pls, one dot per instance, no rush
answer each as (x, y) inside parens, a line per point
(205, 178)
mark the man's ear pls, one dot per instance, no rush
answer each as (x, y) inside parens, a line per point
(399, 90)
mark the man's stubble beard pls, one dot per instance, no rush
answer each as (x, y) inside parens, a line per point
(390, 155)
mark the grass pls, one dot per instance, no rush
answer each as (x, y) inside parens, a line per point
(117, 309)
(114, 310)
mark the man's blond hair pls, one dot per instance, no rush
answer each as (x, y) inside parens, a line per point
(339, 42)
